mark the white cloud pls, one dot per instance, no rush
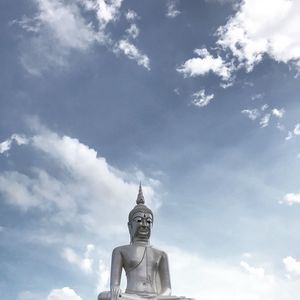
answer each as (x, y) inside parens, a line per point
(172, 11)
(247, 255)
(133, 53)
(197, 277)
(65, 293)
(257, 96)
(106, 10)
(292, 265)
(131, 15)
(278, 112)
(25, 192)
(84, 190)
(200, 99)
(133, 31)
(66, 24)
(85, 263)
(291, 198)
(268, 112)
(297, 129)
(58, 23)
(227, 84)
(273, 29)
(249, 35)
(7, 144)
(204, 64)
(280, 127)
(264, 121)
(289, 136)
(258, 272)
(176, 91)
(103, 277)
(252, 114)
(28, 295)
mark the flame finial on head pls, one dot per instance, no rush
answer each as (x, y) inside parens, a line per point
(140, 205)
(140, 197)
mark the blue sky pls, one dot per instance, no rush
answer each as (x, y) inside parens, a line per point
(197, 99)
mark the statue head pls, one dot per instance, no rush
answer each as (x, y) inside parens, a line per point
(140, 219)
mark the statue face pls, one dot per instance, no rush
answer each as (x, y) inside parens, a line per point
(140, 226)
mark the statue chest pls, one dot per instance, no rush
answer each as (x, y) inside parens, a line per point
(141, 260)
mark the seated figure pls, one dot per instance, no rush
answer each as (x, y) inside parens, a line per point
(146, 268)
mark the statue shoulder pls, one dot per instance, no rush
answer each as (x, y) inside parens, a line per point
(159, 252)
(119, 249)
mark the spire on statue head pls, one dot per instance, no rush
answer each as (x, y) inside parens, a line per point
(140, 198)
(140, 205)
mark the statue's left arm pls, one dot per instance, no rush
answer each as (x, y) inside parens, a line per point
(164, 275)
(115, 275)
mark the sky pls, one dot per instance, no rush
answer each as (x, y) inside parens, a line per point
(197, 99)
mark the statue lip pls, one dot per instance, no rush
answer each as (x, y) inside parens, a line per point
(143, 230)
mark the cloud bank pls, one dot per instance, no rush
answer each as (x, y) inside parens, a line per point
(84, 190)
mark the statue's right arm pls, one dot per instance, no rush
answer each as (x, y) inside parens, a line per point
(116, 272)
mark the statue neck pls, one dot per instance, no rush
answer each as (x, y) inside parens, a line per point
(140, 242)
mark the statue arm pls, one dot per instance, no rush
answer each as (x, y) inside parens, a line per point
(116, 272)
(164, 275)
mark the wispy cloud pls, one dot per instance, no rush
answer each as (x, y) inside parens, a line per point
(264, 115)
(58, 23)
(252, 114)
(264, 121)
(172, 10)
(132, 52)
(293, 132)
(133, 31)
(85, 262)
(131, 15)
(7, 144)
(200, 99)
(297, 129)
(257, 96)
(66, 24)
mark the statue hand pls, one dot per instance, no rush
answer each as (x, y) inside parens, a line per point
(115, 293)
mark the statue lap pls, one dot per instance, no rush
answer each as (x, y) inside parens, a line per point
(124, 296)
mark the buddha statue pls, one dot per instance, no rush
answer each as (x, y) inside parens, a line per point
(146, 268)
